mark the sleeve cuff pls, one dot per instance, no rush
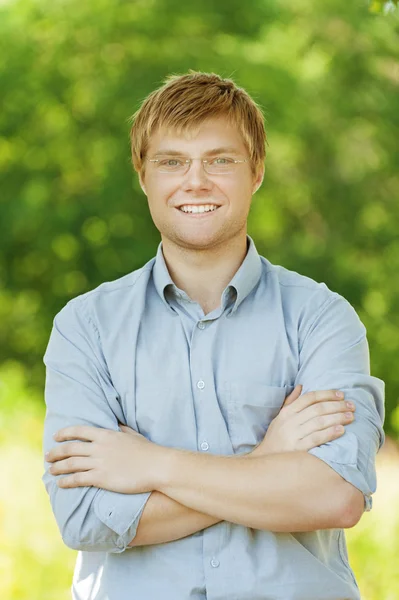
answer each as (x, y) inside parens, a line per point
(121, 513)
(368, 502)
(342, 455)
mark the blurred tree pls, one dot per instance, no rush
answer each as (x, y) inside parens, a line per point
(378, 6)
(73, 215)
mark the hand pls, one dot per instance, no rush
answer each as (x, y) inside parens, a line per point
(120, 461)
(305, 422)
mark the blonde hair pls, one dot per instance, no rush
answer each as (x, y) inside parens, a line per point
(185, 101)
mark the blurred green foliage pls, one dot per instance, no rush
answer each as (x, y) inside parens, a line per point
(72, 214)
(381, 6)
(34, 563)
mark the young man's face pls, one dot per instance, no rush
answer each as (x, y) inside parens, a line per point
(231, 192)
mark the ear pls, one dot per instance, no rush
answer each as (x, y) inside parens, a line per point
(142, 184)
(258, 180)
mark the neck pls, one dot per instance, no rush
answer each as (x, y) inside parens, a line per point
(204, 274)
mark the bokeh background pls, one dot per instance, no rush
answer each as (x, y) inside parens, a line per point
(72, 214)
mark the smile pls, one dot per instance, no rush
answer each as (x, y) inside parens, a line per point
(198, 209)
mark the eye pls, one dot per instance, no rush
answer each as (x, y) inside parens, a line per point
(170, 162)
(221, 161)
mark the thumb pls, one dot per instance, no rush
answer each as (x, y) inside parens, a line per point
(296, 392)
(127, 429)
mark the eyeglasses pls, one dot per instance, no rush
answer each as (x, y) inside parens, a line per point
(220, 165)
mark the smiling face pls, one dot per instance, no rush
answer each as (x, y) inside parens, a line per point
(231, 193)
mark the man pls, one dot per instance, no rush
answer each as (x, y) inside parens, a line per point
(187, 464)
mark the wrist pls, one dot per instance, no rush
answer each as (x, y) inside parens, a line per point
(165, 463)
(260, 449)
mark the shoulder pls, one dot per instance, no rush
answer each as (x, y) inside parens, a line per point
(306, 302)
(110, 297)
(296, 288)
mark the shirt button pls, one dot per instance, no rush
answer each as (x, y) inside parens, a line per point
(214, 562)
(204, 446)
(201, 325)
(200, 384)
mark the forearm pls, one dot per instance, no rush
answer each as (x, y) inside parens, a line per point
(285, 492)
(165, 520)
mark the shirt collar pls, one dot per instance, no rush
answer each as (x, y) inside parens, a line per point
(247, 275)
(240, 286)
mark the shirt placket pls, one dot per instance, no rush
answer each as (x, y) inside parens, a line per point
(212, 437)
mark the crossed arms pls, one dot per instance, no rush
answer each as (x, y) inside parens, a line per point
(164, 519)
(192, 488)
(286, 491)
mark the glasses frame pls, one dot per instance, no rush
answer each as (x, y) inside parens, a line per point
(188, 162)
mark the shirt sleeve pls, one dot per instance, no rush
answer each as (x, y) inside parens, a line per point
(335, 355)
(79, 391)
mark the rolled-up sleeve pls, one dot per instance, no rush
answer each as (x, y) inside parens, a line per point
(79, 391)
(335, 355)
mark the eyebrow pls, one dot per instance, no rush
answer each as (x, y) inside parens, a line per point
(220, 150)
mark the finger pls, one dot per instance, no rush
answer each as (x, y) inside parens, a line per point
(313, 397)
(71, 465)
(324, 408)
(320, 437)
(81, 479)
(69, 449)
(296, 392)
(79, 432)
(324, 422)
(127, 429)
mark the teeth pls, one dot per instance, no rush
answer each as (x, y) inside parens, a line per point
(198, 209)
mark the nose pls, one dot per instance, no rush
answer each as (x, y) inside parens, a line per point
(196, 178)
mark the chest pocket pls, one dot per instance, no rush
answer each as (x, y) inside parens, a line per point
(251, 407)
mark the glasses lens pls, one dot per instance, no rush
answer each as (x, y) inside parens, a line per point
(180, 164)
(171, 164)
(220, 164)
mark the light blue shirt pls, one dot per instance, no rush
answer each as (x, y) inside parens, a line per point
(140, 351)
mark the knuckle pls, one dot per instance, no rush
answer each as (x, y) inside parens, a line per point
(321, 421)
(315, 439)
(77, 478)
(75, 448)
(322, 395)
(308, 398)
(335, 407)
(80, 477)
(64, 450)
(334, 433)
(70, 481)
(70, 463)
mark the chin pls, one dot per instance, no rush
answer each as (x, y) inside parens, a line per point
(199, 242)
